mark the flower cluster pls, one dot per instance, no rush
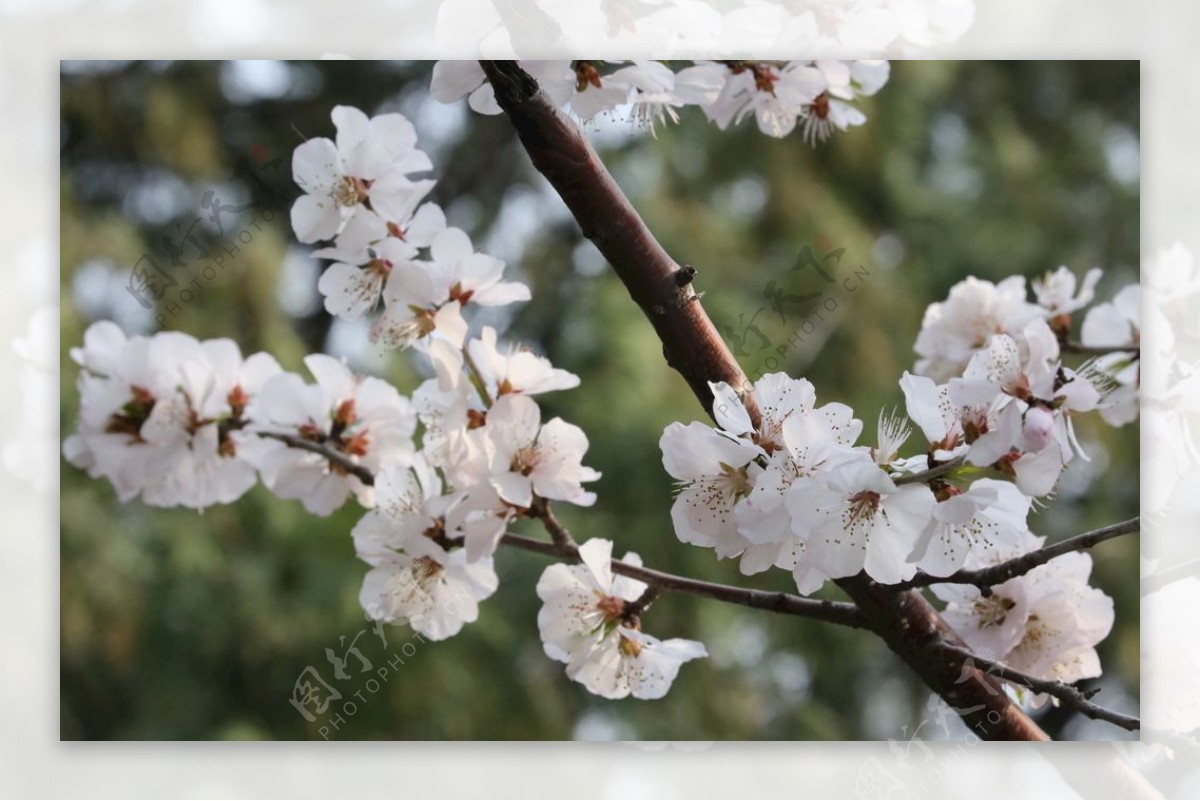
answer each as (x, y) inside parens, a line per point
(591, 621)
(792, 488)
(183, 422)
(386, 243)
(815, 96)
(1045, 623)
(165, 417)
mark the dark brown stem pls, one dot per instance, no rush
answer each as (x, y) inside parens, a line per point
(988, 577)
(1098, 350)
(1068, 694)
(906, 621)
(930, 474)
(829, 611)
(564, 547)
(335, 457)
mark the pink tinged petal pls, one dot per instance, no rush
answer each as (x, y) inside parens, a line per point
(413, 283)
(482, 535)
(775, 119)
(350, 291)
(451, 246)
(483, 101)
(923, 401)
(453, 80)
(283, 400)
(1037, 427)
(449, 323)
(728, 409)
(315, 166)
(596, 555)
(332, 375)
(513, 423)
(1037, 473)
(352, 129)
(428, 221)
(315, 218)
(694, 451)
(514, 488)
(395, 197)
(502, 294)
(257, 370)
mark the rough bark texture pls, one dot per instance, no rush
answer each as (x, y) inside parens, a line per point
(909, 625)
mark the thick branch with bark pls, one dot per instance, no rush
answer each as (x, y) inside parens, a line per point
(656, 283)
(909, 625)
(988, 577)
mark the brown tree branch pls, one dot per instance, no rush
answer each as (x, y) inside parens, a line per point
(337, 458)
(909, 625)
(656, 283)
(843, 614)
(1068, 694)
(563, 547)
(987, 577)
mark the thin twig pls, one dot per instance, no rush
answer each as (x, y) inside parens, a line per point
(558, 532)
(564, 547)
(930, 474)
(1068, 694)
(643, 602)
(336, 457)
(1098, 350)
(829, 611)
(987, 577)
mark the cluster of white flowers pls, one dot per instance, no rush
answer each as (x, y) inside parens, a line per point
(183, 422)
(995, 405)
(385, 242)
(180, 422)
(781, 95)
(1045, 623)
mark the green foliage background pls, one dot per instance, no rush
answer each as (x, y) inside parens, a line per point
(177, 625)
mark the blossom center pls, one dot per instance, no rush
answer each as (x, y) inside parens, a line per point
(525, 460)
(993, 611)
(350, 191)
(611, 607)
(133, 414)
(863, 504)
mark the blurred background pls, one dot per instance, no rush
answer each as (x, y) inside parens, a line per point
(178, 625)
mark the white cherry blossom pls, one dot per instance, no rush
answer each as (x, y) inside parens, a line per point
(852, 517)
(515, 370)
(361, 417)
(1045, 623)
(424, 297)
(954, 329)
(1056, 291)
(585, 622)
(436, 595)
(714, 471)
(368, 165)
(528, 457)
(988, 516)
